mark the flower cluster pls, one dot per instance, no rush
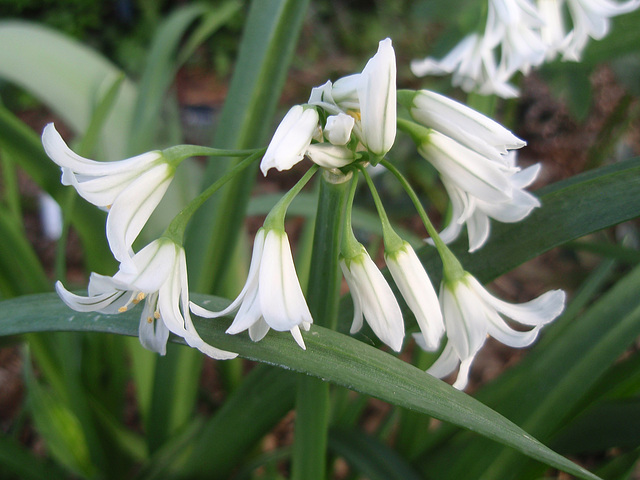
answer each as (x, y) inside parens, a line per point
(519, 35)
(130, 190)
(344, 127)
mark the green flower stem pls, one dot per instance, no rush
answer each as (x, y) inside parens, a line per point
(350, 246)
(323, 293)
(452, 268)
(175, 155)
(275, 219)
(392, 241)
(175, 230)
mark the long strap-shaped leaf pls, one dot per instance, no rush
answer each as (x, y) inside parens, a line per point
(331, 356)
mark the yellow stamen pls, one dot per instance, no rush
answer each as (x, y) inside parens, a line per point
(149, 319)
(156, 315)
(122, 309)
(355, 114)
(138, 298)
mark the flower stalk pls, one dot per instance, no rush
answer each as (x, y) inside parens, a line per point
(312, 397)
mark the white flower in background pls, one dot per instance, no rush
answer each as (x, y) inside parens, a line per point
(368, 97)
(271, 297)
(373, 299)
(291, 139)
(591, 19)
(513, 26)
(471, 313)
(129, 190)
(553, 32)
(50, 216)
(416, 288)
(472, 65)
(159, 277)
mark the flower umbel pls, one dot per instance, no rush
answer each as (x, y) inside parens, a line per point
(471, 313)
(159, 277)
(129, 190)
(271, 297)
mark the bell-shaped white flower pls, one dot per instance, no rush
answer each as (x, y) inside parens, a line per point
(368, 97)
(373, 299)
(471, 313)
(129, 189)
(479, 188)
(271, 297)
(157, 275)
(291, 139)
(591, 19)
(463, 124)
(473, 67)
(416, 288)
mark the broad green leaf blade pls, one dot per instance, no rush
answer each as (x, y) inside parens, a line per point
(330, 356)
(68, 77)
(268, 42)
(547, 386)
(371, 458)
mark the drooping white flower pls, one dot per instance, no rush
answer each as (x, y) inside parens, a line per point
(479, 187)
(291, 139)
(472, 64)
(368, 97)
(591, 19)
(463, 124)
(157, 275)
(271, 297)
(129, 189)
(471, 313)
(373, 299)
(416, 288)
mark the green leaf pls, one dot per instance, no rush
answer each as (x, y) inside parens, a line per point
(263, 398)
(21, 462)
(68, 77)
(267, 47)
(330, 356)
(371, 458)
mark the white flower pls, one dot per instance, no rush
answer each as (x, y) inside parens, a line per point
(373, 298)
(129, 189)
(479, 187)
(473, 66)
(553, 32)
(159, 276)
(271, 297)
(377, 96)
(368, 97)
(330, 156)
(591, 19)
(463, 124)
(418, 292)
(338, 128)
(291, 139)
(471, 313)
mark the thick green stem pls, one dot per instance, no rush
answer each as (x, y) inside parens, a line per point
(312, 400)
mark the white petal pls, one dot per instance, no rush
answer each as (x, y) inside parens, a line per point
(338, 128)
(258, 330)
(297, 336)
(418, 292)
(93, 303)
(446, 362)
(358, 319)
(149, 268)
(133, 207)
(377, 96)
(330, 156)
